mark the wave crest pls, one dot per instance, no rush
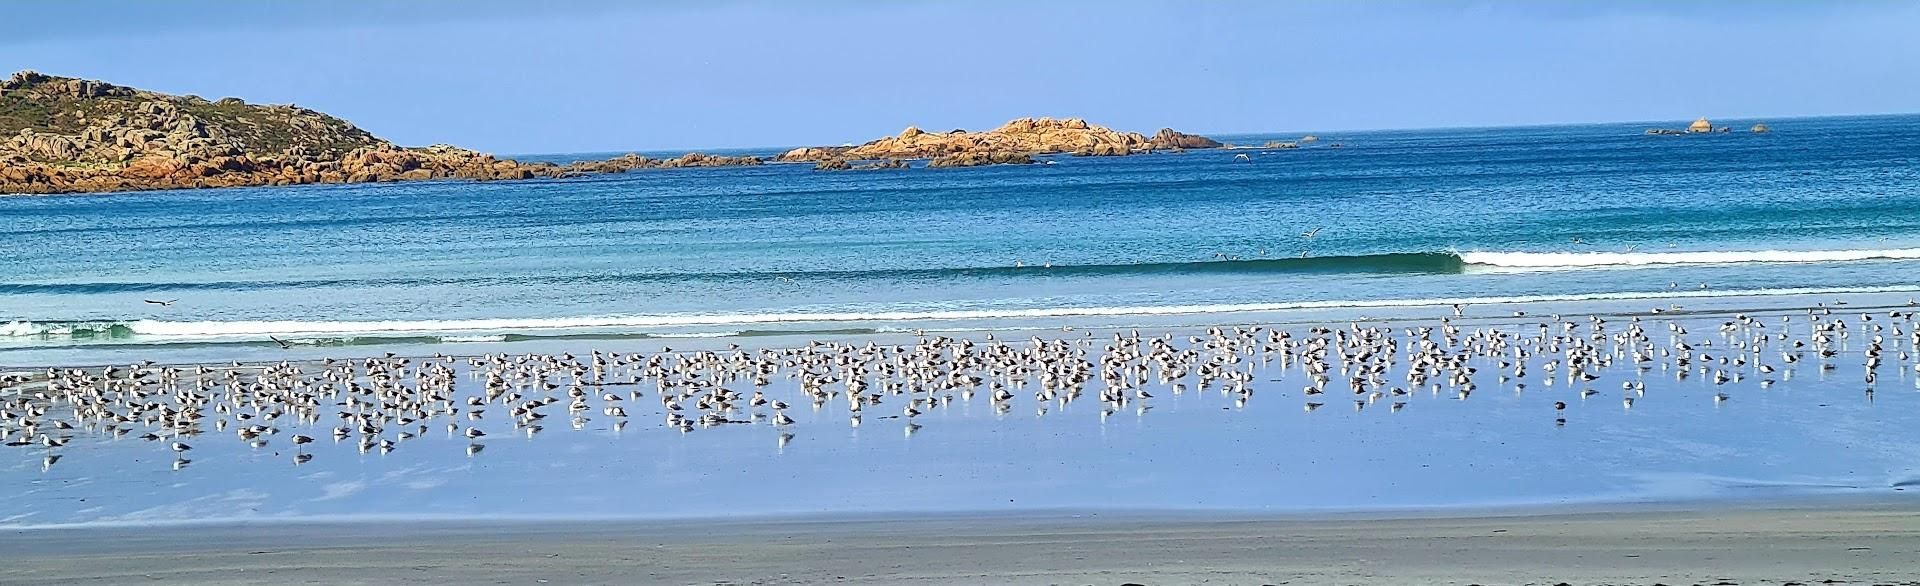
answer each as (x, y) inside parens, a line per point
(1554, 260)
(1364, 264)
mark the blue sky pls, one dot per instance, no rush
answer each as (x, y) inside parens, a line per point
(598, 75)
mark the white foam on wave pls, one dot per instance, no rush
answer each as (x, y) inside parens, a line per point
(30, 328)
(156, 329)
(484, 338)
(697, 334)
(1605, 259)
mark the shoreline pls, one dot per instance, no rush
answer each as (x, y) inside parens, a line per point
(310, 346)
(1875, 541)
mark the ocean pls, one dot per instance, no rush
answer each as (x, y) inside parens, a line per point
(1741, 387)
(1384, 221)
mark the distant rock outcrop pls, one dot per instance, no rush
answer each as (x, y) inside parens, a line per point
(1012, 143)
(845, 165)
(1701, 126)
(1169, 138)
(812, 154)
(61, 135)
(1761, 128)
(979, 158)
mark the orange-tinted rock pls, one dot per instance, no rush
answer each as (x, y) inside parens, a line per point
(134, 140)
(1021, 136)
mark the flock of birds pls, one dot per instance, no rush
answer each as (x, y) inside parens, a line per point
(378, 404)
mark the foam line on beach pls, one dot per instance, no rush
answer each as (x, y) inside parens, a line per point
(508, 329)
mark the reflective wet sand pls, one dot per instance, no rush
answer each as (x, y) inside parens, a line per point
(1503, 415)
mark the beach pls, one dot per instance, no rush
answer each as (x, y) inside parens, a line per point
(1158, 368)
(1831, 543)
(1469, 293)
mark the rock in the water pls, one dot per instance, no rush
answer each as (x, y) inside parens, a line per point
(845, 165)
(1761, 128)
(886, 164)
(811, 154)
(1012, 143)
(980, 158)
(1169, 138)
(1701, 125)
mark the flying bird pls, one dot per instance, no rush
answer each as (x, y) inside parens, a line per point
(162, 303)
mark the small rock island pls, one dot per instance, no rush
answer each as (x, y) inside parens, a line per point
(1015, 142)
(1703, 126)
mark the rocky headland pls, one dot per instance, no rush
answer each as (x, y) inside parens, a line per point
(1015, 142)
(67, 135)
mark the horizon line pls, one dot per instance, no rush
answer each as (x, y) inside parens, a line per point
(1215, 134)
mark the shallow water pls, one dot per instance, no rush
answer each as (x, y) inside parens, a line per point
(1812, 432)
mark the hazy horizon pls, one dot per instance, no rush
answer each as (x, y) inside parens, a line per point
(509, 77)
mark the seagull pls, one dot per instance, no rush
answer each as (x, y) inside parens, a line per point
(162, 303)
(1312, 233)
(284, 345)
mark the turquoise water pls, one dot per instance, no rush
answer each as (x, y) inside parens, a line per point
(1402, 218)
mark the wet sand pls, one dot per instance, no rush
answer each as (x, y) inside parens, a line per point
(1801, 481)
(1771, 429)
(1873, 544)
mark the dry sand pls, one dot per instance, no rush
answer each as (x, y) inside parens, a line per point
(1858, 544)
